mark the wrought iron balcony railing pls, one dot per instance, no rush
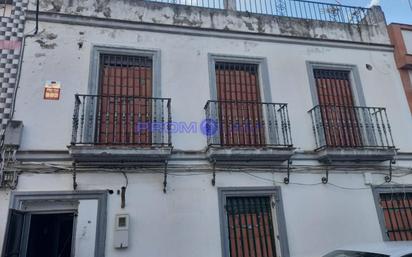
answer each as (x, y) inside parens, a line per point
(351, 127)
(247, 124)
(121, 120)
(301, 9)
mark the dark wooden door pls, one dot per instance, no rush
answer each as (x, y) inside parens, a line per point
(240, 110)
(338, 112)
(14, 234)
(125, 104)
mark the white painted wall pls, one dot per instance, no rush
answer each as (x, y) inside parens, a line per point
(185, 78)
(86, 228)
(185, 221)
(407, 37)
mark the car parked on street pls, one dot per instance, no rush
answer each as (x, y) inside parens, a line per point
(383, 249)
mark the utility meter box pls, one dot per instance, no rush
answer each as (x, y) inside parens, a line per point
(12, 135)
(121, 231)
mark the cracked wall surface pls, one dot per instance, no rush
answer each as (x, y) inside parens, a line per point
(217, 19)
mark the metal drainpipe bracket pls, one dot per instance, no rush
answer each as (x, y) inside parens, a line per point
(325, 179)
(388, 178)
(165, 178)
(214, 173)
(286, 180)
(74, 176)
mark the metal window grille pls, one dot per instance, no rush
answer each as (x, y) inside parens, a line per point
(397, 212)
(124, 111)
(250, 226)
(335, 95)
(6, 7)
(122, 78)
(238, 88)
(338, 123)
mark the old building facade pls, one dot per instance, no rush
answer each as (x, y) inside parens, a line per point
(401, 38)
(205, 128)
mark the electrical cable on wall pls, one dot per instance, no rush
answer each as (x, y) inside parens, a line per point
(49, 168)
(123, 191)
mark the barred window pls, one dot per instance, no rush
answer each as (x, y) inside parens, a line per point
(397, 215)
(250, 226)
(336, 101)
(238, 92)
(125, 99)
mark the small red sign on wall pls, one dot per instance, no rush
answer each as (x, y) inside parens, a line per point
(52, 90)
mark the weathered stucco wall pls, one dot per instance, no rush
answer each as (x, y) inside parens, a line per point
(55, 54)
(185, 221)
(204, 18)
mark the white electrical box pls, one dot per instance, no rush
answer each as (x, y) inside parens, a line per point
(121, 231)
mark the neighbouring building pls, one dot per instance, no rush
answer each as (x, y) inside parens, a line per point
(204, 128)
(11, 37)
(401, 38)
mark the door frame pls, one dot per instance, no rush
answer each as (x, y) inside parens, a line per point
(263, 80)
(355, 86)
(17, 200)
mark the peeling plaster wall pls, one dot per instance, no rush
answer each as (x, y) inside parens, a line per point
(185, 221)
(55, 54)
(204, 18)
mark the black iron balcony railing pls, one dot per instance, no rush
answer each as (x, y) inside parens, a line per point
(121, 120)
(351, 127)
(301, 9)
(249, 124)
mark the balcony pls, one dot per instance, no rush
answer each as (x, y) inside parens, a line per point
(110, 128)
(352, 133)
(298, 9)
(243, 131)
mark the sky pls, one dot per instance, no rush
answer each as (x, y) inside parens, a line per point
(396, 11)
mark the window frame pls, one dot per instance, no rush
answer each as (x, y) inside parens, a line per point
(261, 62)
(263, 79)
(281, 239)
(385, 189)
(355, 81)
(94, 76)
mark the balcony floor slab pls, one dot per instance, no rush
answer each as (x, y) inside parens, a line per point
(105, 154)
(328, 155)
(249, 154)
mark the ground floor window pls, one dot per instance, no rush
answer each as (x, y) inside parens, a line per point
(252, 223)
(395, 212)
